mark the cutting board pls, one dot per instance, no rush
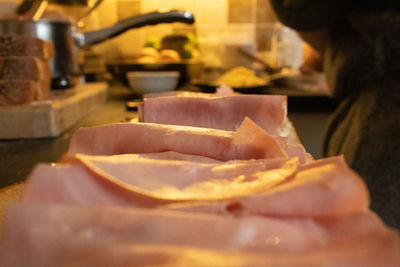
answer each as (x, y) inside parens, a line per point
(51, 117)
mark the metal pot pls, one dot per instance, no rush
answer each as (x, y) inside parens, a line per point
(68, 41)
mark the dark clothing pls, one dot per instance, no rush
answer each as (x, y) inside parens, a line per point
(362, 66)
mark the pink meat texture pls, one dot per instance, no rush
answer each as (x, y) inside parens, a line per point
(274, 187)
(106, 178)
(57, 235)
(212, 111)
(248, 142)
(197, 109)
(229, 189)
(323, 188)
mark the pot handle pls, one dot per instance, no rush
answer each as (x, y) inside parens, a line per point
(94, 37)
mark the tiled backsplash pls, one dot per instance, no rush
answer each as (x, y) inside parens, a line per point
(219, 22)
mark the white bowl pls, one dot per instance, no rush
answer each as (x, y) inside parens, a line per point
(146, 82)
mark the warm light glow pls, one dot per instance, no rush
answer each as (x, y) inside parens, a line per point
(211, 189)
(40, 10)
(187, 256)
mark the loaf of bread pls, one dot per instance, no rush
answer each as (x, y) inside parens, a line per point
(22, 91)
(17, 91)
(23, 67)
(24, 45)
(25, 74)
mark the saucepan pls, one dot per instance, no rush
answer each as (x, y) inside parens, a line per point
(68, 41)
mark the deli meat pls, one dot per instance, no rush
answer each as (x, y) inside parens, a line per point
(231, 186)
(248, 142)
(57, 235)
(131, 181)
(223, 111)
(190, 180)
(325, 187)
(73, 184)
(219, 112)
(267, 187)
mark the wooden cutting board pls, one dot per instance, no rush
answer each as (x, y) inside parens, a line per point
(51, 117)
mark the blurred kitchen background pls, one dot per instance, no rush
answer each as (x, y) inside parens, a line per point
(213, 45)
(221, 27)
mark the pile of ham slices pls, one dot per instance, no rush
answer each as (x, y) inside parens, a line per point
(202, 180)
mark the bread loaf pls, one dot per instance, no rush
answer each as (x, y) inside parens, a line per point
(17, 91)
(25, 74)
(24, 45)
(24, 67)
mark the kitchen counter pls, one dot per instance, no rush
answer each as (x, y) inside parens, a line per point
(18, 157)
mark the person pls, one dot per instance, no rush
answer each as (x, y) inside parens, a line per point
(359, 43)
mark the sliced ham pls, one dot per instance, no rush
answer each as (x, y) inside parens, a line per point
(247, 136)
(249, 142)
(55, 235)
(129, 180)
(178, 180)
(268, 187)
(325, 187)
(138, 194)
(297, 150)
(73, 184)
(224, 112)
(167, 155)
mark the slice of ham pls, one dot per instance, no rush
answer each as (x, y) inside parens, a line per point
(268, 187)
(54, 235)
(73, 184)
(224, 112)
(167, 155)
(249, 142)
(179, 180)
(325, 187)
(297, 150)
(131, 180)
(286, 135)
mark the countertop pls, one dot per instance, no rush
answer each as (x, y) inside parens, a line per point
(307, 112)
